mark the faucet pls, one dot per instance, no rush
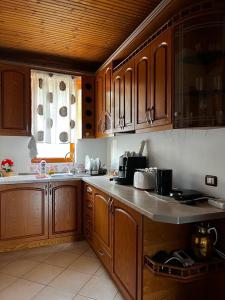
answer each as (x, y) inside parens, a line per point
(68, 169)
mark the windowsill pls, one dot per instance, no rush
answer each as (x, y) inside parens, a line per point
(52, 160)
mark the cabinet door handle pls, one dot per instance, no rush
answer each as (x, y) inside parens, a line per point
(151, 114)
(100, 252)
(46, 190)
(147, 116)
(123, 118)
(120, 123)
(111, 206)
(90, 205)
(50, 189)
(89, 190)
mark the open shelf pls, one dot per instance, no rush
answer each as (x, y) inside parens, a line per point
(188, 274)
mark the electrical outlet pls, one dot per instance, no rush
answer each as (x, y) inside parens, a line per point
(211, 180)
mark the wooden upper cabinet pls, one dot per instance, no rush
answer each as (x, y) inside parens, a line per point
(24, 212)
(103, 102)
(65, 208)
(142, 88)
(127, 249)
(123, 91)
(15, 100)
(160, 110)
(117, 101)
(99, 103)
(108, 99)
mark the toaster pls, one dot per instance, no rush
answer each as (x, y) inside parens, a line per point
(145, 179)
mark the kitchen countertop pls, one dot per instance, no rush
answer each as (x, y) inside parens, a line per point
(158, 208)
(17, 179)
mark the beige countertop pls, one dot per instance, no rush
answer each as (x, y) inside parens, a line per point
(155, 207)
(17, 179)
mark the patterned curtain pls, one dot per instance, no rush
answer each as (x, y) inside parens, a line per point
(54, 107)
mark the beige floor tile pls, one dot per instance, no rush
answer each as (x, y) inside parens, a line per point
(6, 280)
(85, 264)
(118, 297)
(20, 290)
(19, 267)
(99, 288)
(79, 297)
(8, 257)
(77, 247)
(70, 281)
(37, 255)
(50, 293)
(90, 253)
(102, 273)
(62, 259)
(43, 273)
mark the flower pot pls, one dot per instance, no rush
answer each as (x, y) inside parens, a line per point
(8, 174)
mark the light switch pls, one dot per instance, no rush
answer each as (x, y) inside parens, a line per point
(211, 180)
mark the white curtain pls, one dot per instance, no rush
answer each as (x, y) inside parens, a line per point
(54, 107)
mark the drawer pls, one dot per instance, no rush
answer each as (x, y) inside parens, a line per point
(102, 255)
(88, 204)
(88, 192)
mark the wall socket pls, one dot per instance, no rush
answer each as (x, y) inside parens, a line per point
(211, 180)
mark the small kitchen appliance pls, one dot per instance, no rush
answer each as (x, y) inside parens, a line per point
(92, 165)
(127, 167)
(145, 179)
(164, 181)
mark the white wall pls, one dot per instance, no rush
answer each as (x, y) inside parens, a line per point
(16, 149)
(190, 153)
(93, 148)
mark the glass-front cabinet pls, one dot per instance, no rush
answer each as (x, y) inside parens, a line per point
(199, 84)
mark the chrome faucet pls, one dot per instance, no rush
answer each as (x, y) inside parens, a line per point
(68, 169)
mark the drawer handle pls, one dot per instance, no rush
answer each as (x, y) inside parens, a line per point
(89, 190)
(100, 252)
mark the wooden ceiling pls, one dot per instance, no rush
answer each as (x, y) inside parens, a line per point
(79, 30)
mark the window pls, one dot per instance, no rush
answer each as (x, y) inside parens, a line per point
(56, 114)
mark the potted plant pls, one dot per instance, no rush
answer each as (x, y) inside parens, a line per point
(6, 166)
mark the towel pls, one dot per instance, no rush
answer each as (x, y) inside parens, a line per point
(32, 146)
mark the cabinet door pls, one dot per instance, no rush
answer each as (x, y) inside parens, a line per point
(24, 212)
(160, 110)
(108, 99)
(128, 91)
(99, 104)
(15, 100)
(127, 250)
(88, 193)
(65, 208)
(142, 88)
(102, 220)
(118, 101)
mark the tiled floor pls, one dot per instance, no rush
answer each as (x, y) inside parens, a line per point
(61, 272)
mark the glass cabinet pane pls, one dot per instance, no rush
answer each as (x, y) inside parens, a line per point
(200, 73)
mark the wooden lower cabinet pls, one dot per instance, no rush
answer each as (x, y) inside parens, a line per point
(115, 234)
(65, 208)
(127, 250)
(24, 212)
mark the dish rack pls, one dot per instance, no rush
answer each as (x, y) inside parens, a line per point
(187, 274)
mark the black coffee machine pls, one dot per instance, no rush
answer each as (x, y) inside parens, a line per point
(127, 167)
